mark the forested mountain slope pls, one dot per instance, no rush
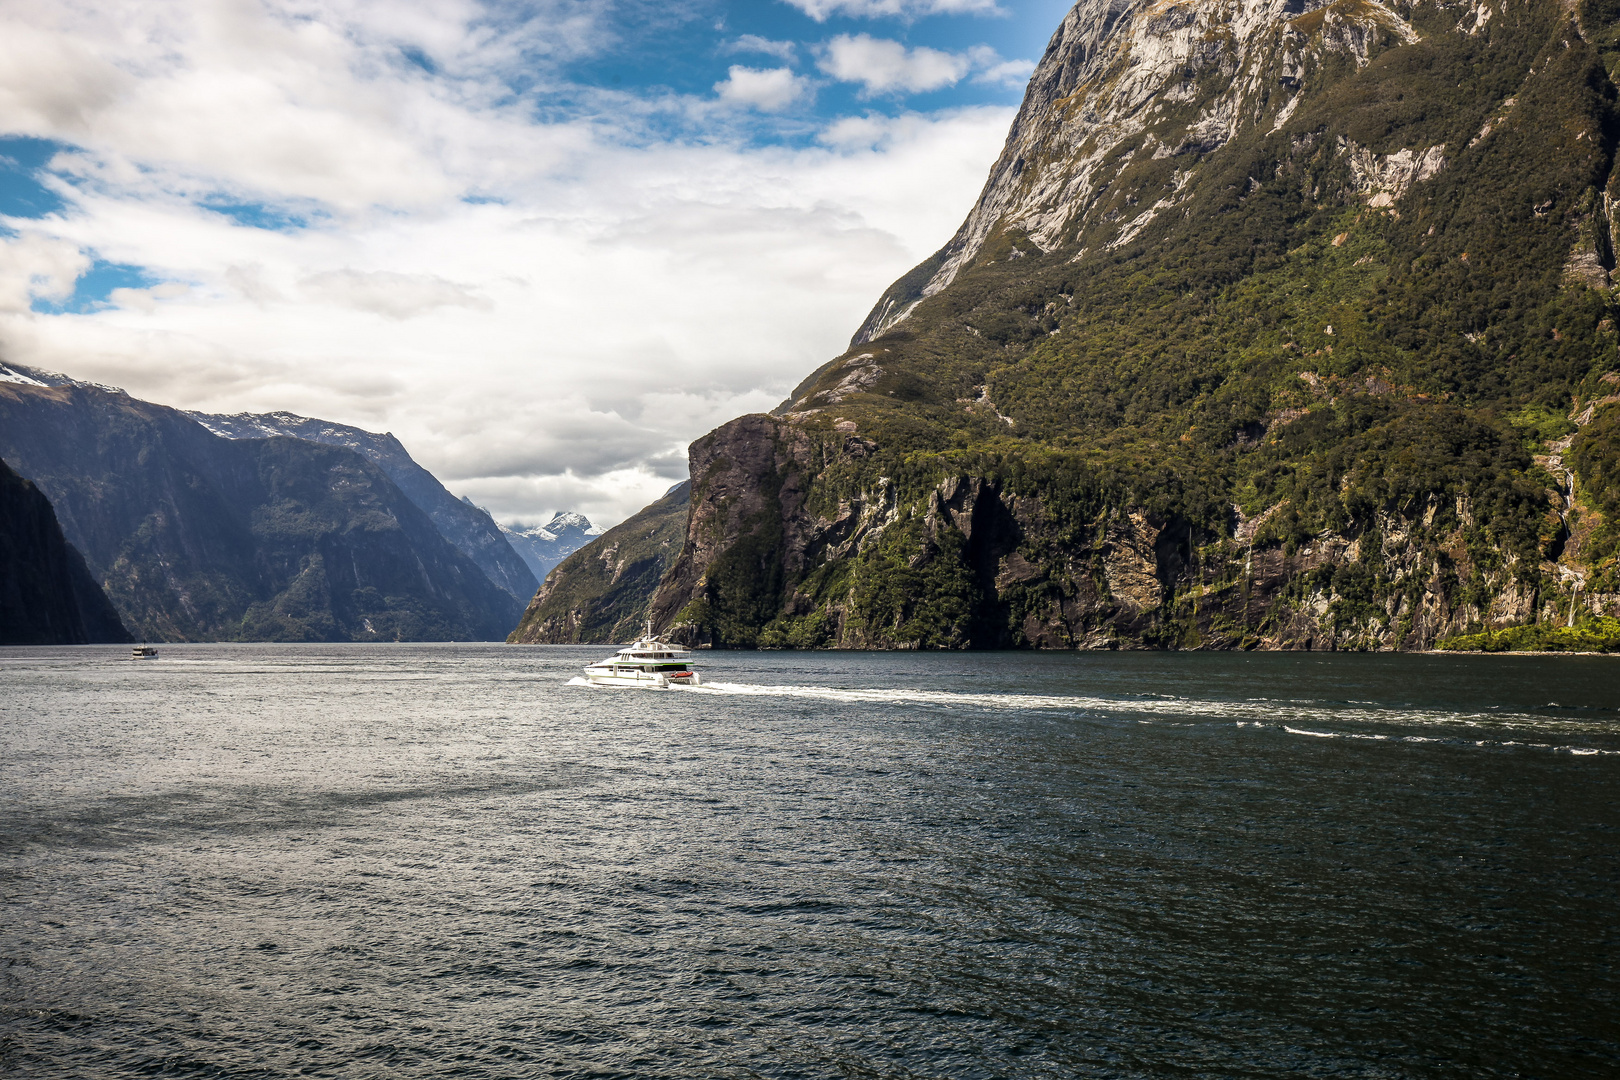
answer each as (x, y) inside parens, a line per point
(195, 537)
(1277, 325)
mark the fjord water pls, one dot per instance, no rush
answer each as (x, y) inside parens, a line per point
(413, 861)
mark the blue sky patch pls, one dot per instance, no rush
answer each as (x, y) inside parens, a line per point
(256, 215)
(21, 193)
(420, 59)
(95, 286)
(689, 49)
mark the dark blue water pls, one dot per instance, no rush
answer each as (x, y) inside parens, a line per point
(415, 861)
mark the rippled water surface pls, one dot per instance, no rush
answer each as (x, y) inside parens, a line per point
(414, 861)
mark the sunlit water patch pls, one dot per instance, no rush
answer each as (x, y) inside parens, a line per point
(447, 861)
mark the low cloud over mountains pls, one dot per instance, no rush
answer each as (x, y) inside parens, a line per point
(477, 224)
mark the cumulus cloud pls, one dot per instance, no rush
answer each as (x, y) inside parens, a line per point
(769, 89)
(545, 312)
(821, 10)
(882, 66)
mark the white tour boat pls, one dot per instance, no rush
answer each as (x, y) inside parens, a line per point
(649, 663)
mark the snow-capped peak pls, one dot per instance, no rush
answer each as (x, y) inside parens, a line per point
(12, 375)
(27, 376)
(567, 519)
(544, 546)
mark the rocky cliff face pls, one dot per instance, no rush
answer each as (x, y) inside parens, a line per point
(47, 596)
(470, 528)
(198, 537)
(1003, 563)
(1278, 324)
(1128, 92)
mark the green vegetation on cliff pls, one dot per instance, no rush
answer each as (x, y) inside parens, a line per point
(1595, 455)
(1601, 634)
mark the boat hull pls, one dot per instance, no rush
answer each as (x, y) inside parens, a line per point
(643, 680)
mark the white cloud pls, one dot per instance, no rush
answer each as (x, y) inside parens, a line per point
(770, 89)
(386, 293)
(51, 83)
(249, 281)
(620, 295)
(882, 66)
(34, 265)
(753, 43)
(147, 299)
(992, 69)
(308, 101)
(821, 10)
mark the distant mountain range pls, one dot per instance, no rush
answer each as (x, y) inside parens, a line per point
(261, 534)
(468, 527)
(544, 546)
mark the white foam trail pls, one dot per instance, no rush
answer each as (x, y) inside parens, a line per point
(1578, 751)
(1331, 734)
(1261, 713)
(945, 698)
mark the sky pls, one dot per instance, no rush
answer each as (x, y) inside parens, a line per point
(546, 243)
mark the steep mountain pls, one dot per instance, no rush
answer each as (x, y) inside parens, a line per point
(198, 537)
(47, 596)
(601, 592)
(1278, 324)
(469, 528)
(544, 546)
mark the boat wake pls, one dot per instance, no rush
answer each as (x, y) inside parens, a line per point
(1503, 744)
(1263, 709)
(1277, 715)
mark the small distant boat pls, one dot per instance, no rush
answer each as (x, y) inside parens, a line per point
(144, 652)
(650, 663)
